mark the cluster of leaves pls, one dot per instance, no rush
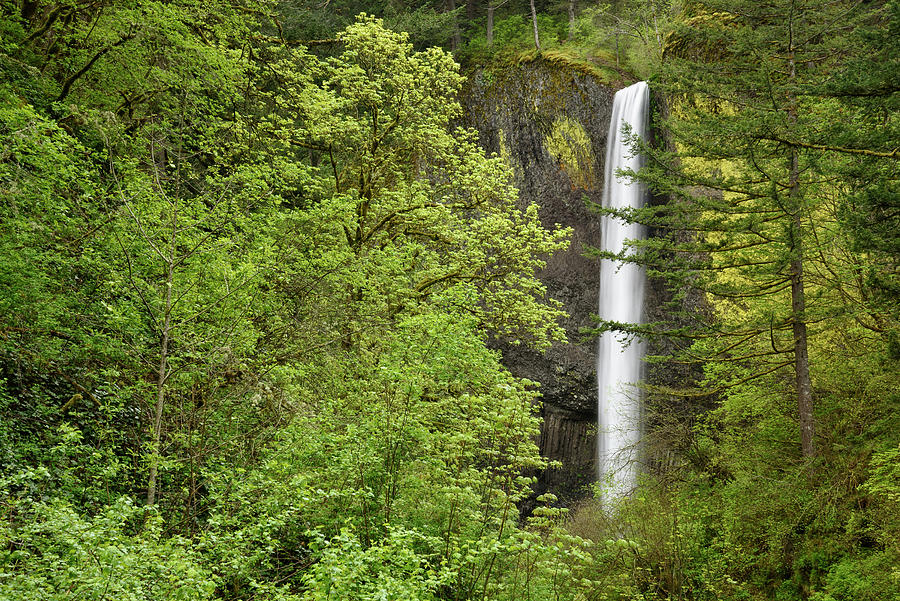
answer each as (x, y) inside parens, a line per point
(246, 292)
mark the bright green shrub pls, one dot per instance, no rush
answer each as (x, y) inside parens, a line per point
(49, 551)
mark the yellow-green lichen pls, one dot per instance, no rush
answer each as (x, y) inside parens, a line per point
(505, 154)
(569, 144)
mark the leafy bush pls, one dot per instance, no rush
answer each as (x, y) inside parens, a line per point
(393, 569)
(49, 551)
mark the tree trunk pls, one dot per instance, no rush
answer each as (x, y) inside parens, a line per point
(802, 379)
(161, 377)
(571, 20)
(491, 7)
(801, 361)
(617, 46)
(455, 40)
(534, 25)
(489, 34)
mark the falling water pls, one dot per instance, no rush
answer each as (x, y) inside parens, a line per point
(619, 364)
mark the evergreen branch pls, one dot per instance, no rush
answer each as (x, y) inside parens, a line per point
(893, 154)
(699, 393)
(761, 290)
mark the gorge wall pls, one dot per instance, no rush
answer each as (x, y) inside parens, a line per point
(549, 120)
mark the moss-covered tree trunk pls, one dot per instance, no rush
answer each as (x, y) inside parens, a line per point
(534, 26)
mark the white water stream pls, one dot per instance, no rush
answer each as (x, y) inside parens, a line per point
(619, 363)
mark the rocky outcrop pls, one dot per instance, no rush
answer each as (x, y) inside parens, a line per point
(549, 120)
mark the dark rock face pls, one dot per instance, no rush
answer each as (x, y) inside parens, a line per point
(550, 124)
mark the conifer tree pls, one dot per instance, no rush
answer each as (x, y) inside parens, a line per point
(746, 183)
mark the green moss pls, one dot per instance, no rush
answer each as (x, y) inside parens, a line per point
(597, 67)
(698, 40)
(569, 144)
(604, 73)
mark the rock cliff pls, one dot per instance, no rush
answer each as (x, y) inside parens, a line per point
(549, 120)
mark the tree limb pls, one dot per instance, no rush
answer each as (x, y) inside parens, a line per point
(67, 85)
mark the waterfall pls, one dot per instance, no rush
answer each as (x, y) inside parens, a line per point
(619, 364)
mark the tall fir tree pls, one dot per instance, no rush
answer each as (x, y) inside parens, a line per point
(749, 186)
